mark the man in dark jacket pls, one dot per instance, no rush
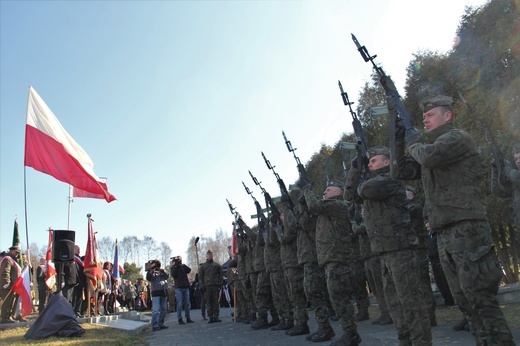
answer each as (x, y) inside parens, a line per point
(157, 278)
(180, 273)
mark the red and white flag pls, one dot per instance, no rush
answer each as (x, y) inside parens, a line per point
(85, 194)
(51, 150)
(22, 287)
(50, 270)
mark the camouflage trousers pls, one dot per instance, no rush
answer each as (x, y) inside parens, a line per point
(241, 303)
(315, 286)
(339, 278)
(360, 287)
(474, 274)
(401, 272)
(253, 281)
(375, 280)
(294, 279)
(426, 287)
(212, 292)
(264, 297)
(281, 298)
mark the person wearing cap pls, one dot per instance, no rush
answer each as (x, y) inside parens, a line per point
(388, 224)
(512, 187)
(335, 251)
(9, 271)
(211, 277)
(447, 160)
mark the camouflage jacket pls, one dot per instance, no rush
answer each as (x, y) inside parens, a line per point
(333, 229)
(306, 236)
(386, 217)
(210, 273)
(287, 235)
(242, 257)
(273, 261)
(258, 247)
(448, 164)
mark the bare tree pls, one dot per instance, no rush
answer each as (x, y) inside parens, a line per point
(106, 246)
(166, 253)
(149, 246)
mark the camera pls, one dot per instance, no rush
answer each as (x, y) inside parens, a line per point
(177, 260)
(152, 265)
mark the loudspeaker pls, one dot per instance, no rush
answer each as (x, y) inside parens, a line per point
(63, 246)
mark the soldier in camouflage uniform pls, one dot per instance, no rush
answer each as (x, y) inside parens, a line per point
(314, 281)
(418, 226)
(235, 285)
(244, 294)
(334, 247)
(512, 188)
(287, 234)
(447, 160)
(211, 279)
(388, 226)
(262, 291)
(373, 270)
(273, 266)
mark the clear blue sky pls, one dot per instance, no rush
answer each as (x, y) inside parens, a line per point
(174, 101)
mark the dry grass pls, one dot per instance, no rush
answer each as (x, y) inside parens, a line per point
(94, 335)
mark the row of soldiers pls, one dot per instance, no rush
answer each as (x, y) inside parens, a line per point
(311, 253)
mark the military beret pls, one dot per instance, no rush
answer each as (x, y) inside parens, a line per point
(378, 151)
(336, 183)
(209, 252)
(431, 102)
(516, 148)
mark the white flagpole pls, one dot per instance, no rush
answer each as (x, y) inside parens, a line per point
(70, 206)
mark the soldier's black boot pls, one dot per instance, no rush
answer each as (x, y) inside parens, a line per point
(284, 324)
(347, 339)
(323, 335)
(275, 321)
(362, 316)
(299, 329)
(260, 323)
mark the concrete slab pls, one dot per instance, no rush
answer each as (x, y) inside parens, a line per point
(131, 327)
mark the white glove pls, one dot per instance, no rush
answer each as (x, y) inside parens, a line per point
(6, 286)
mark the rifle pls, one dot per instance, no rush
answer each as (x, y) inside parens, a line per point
(268, 199)
(388, 85)
(283, 188)
(301, 168)
(233, 212)
(361, 147)
(497, 154)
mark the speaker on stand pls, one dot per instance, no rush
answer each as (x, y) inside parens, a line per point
(62, 251)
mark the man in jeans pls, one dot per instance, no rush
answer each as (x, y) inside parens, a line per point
(180, 273)
(157, 278)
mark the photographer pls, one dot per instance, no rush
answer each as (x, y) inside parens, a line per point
(182, 287)
(157, 278)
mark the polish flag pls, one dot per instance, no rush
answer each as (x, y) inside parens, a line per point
(50, 270)
(22, 287)
(51, 150)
